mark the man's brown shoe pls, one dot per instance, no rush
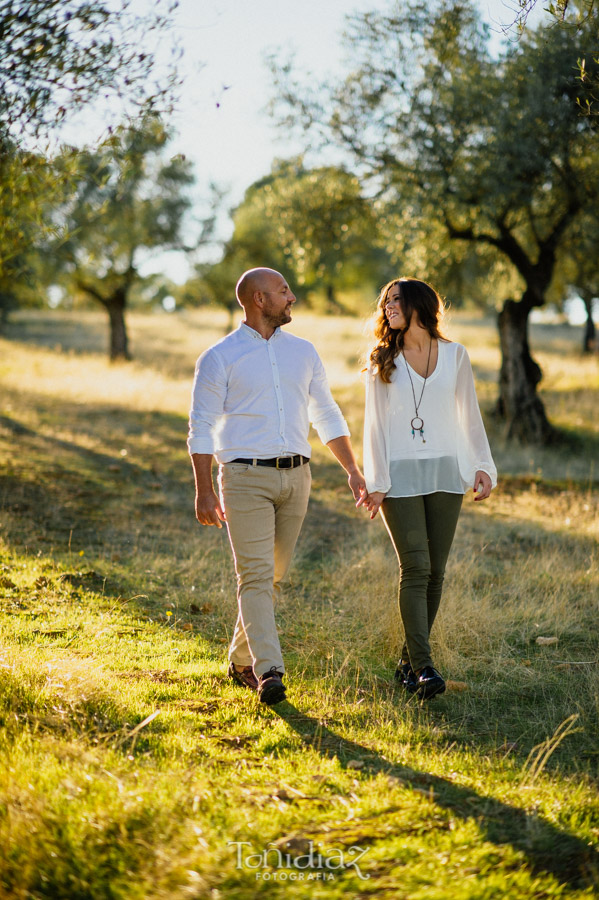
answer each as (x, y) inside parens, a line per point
(245, 677)
(271, 689)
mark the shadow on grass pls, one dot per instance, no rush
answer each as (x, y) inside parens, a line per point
(52, 489)
(88, 334)
(125, 511)
(59, 333)
(577, 441)
(547, 848)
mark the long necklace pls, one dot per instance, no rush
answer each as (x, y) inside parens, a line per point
(417, 422)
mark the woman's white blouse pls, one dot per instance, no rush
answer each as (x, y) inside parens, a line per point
(398, 463)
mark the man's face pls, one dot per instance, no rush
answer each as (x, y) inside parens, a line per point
(278, 300)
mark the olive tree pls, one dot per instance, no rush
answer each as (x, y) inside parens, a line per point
(492, 149)
(124, 199)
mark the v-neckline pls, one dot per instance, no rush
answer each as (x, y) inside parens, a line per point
(435, 370)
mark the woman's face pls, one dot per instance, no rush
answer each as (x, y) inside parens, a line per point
(393, 310)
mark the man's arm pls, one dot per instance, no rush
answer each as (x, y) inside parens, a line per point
(341, 449)
(208, 508)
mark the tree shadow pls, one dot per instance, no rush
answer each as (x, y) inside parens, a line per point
(548, 849)
(61, 488)
(490, 708)
(161, 349)
(52, 488)
(58, 332)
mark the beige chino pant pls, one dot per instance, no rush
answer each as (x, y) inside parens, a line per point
(265, 508)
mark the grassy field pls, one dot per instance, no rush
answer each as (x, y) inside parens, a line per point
(132, 768)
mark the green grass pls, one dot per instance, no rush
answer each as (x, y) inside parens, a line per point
(132, 768)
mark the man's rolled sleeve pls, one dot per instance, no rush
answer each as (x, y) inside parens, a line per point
(324, 413)
(207, 402)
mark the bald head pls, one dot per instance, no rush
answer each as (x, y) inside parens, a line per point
(260, 279)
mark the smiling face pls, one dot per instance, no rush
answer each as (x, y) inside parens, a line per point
(393, 310)
(278, 298)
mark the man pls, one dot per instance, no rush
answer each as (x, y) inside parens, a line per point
(254, 395)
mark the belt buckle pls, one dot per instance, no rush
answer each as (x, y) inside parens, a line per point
(279, 458)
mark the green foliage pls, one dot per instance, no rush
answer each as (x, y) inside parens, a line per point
(488, 151)
(467, 274)
(577, 273)
(27, 183)
(56, 55)
(123, 199)
(573, 15)
(313, 224)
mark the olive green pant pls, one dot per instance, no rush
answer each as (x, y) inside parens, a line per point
(422, 530)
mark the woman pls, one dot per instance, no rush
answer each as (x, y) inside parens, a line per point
(424, 447)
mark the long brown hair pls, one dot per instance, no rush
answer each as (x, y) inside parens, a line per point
(414, 297)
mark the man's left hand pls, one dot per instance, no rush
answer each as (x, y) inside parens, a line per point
(341, 449)
(357, 485)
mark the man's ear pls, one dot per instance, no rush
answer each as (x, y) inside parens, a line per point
(258, 299)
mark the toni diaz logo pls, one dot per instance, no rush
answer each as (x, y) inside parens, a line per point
(272, 864)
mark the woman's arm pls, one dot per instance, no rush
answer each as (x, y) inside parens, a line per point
(476, 462)
(376, 434)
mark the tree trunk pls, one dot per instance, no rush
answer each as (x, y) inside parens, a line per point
(231, 309)
(589, 343)
(331, 300)
(114, 305)
(334, 305)
(518, 404)
(119, 342)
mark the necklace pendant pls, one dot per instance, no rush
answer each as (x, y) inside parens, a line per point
(417, 424)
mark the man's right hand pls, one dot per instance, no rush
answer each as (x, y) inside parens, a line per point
(209, 510)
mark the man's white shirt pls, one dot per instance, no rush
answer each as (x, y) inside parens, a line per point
(256, 398)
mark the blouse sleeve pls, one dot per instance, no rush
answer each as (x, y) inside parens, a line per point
(376, 434)
(474, 453)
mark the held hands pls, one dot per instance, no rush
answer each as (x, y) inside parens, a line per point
(209, 510)
(482, 484)
(371, 502)
(357, 484)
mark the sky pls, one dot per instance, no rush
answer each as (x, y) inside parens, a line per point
(221, 123)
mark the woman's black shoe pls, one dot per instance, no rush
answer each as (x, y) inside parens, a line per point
(429, 683)
(406, 676)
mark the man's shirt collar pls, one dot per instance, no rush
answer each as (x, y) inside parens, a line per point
(247, 329)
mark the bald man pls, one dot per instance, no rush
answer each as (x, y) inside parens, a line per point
(254, 395)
